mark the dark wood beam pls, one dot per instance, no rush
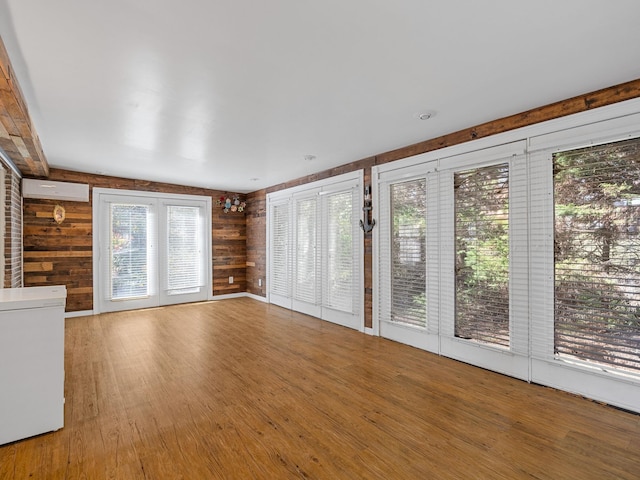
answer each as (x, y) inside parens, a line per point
(18, 138)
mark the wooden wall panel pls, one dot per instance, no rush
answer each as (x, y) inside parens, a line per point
(62, 254)
(229, 238)
(256, 243)
(59, 254)
(367, 265)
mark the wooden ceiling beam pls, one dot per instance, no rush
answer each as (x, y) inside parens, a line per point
(18, 138)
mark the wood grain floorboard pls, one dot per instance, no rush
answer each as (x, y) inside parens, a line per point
(239, 389)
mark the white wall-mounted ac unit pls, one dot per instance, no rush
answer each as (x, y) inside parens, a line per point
(74, 192)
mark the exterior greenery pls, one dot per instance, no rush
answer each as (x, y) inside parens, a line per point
(408, 286)
(597, 254)
(482, 254)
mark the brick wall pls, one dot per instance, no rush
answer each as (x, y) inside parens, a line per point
(12, 230)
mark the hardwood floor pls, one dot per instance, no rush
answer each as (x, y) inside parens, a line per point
(238, 389)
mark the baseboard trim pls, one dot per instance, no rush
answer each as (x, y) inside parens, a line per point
(85, 313)
(239, 295)
(81, 313)
(370, 331)
(257, 297)
(228, 295)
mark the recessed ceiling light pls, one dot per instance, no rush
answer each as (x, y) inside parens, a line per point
(426, 115)
(309, 158)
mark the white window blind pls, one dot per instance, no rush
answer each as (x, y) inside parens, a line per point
(184, 249)
(306, 254)
(338, 275)
(482, 254)
(280, 274)
(130, 249)
(408, 204)
(597, 254)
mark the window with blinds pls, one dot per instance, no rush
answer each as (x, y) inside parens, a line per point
(408, 253)
(184, 249)
(129, 248)
(280, 257)
(339, 279)
(597, 254)
(481, 197)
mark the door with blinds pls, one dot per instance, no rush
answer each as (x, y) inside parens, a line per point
(484, 281)
(451, 264)
(407, 302)
(315, 250)
(341, 271)
(150, 250)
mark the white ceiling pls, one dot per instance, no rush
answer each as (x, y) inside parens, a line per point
(217, 94)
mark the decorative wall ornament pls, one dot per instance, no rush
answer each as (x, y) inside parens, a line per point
(366, 225)
(231, 204)
(59, 214)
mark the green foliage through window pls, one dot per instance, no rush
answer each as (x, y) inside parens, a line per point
(482, 254)
(408, 253)
(597, 254)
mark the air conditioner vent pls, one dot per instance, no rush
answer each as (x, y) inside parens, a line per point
(73, 192)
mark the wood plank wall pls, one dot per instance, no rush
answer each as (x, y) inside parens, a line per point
(256, 268)
(256, 225)
(62, 254)
(18, 138)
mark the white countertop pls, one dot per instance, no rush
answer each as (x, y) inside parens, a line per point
(32, 297)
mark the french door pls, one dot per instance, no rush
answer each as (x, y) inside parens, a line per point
(451, 274)
(315, 250)
(150, 249)
(407, 304)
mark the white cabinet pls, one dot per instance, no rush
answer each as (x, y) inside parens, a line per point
(31, 361)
